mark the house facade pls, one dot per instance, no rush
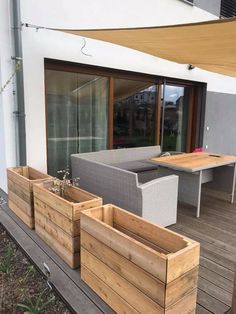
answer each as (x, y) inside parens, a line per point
(83, 95)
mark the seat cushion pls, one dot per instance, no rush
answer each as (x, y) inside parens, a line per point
(135, 166)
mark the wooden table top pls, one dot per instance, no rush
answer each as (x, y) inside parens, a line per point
(192, 162)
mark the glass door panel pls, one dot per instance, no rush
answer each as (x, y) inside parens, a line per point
(175, 125)
(76, 112)
(134, 113)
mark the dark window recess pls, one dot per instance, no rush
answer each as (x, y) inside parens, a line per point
(228, 8)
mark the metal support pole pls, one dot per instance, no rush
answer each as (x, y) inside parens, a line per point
(20, 112)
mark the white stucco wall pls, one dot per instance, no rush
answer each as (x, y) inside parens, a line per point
(7, 104)
(41, 44)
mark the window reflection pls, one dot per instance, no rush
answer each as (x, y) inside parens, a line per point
(134, 111)
(176, 104)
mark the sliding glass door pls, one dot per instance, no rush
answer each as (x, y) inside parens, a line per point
(134, 113)
(175, 117)
(91, 109)
(76, 113)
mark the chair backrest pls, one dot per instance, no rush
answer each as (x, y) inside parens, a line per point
(121, 155)
(114, 185)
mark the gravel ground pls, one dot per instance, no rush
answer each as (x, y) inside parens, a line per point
(23, 283)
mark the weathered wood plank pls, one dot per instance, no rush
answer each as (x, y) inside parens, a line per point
(138, 253)
(69, 226)
(233, 304)
(216, 292)
(26, 195)
(201, 310)
(21, 204)
(216, 279)
(73, 260)
(144, 281)
(140, 239)
(210, 303)
(72, 244)
(200, 236)
(216, 268)
(54, 201)
(183, 261)
(136, 298)
(107, 294)
(29, 221)
(171, 241)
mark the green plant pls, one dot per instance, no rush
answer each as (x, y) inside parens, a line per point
(5, 262)
(38, 306)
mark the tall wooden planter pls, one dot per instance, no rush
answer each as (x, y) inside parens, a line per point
(136, 266)
(57, 219)
(20, 191)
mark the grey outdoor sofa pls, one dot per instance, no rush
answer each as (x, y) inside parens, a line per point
(127, 179)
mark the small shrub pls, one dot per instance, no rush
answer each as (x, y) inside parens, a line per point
(37, 306)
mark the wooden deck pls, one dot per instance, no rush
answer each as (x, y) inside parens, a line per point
(215, 230)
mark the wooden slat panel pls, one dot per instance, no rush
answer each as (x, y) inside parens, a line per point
(140, 239)
(180, 287)
(69, 226)
(184, 306)
(72, 244)
(139, 254)
(25, 218)
(77, 208)
(108, 215)
(26, 195)
(53, 201)
(25, 172)
(21, 204)
(18, 179)
(78, 194)
(73, 260)
(135, 297)
(34, 174)
(106, 293)
(183, 261)
(162, 237)
(145, 282)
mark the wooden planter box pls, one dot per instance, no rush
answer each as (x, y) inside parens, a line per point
(57, 220)
(136, 266)
(20, 191)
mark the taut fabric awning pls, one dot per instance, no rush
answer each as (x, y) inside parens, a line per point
(208, 45)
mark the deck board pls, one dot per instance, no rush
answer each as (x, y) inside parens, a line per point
(215, 230)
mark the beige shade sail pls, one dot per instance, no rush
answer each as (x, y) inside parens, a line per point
(208, 45)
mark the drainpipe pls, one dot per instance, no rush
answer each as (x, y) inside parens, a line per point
(20, 112)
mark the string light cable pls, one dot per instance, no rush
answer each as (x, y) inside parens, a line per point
(17, 68)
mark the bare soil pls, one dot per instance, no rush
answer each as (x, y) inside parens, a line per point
(23, 283)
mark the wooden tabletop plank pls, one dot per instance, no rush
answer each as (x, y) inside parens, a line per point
(192, 162)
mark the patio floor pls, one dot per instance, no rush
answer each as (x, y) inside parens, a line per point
(215, 230)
